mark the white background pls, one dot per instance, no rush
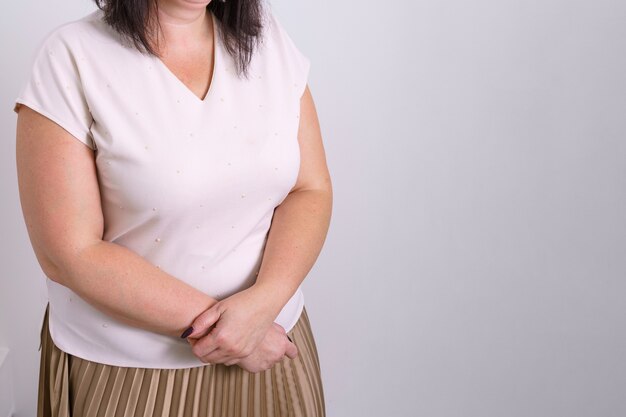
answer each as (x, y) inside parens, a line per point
(476, 262)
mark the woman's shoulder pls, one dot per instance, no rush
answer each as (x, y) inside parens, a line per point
(79, 33)
(284, 56)
(274, 31)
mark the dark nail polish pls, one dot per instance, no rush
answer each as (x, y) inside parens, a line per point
(187, 332)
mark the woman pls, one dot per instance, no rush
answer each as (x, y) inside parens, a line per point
(157, 142)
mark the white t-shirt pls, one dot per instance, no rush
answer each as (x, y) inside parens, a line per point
(188, 184)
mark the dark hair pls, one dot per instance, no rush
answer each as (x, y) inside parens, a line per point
(241, 25)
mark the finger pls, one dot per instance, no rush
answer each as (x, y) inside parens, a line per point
(207, 345)
(218, 356)
(292, 350)
(279, 327)
(202, 324)
(233, 362)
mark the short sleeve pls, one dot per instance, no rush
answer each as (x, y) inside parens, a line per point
(54, 88)
(300, 63)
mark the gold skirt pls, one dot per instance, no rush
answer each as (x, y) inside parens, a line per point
(70, 386)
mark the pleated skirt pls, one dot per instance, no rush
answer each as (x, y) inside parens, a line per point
(70, 386)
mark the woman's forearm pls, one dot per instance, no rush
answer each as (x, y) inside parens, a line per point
(297, 234)
(126, 286)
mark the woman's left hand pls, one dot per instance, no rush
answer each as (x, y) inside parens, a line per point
(232, 328)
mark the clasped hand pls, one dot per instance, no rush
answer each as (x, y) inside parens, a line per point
(240, 330)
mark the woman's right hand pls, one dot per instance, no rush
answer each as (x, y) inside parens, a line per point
(271, 350)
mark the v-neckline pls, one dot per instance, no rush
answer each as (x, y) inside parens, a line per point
(216, 59)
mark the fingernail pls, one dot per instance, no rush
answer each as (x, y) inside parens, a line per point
(289, 339)
(187, 332)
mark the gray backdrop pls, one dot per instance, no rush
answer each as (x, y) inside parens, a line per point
(476, 260)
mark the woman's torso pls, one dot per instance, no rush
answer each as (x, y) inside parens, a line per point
(188, 184)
